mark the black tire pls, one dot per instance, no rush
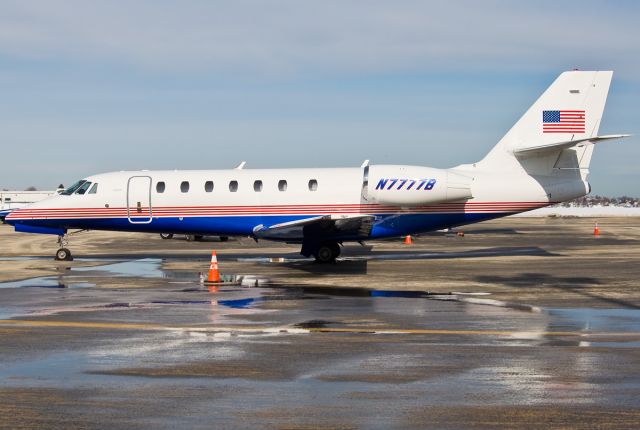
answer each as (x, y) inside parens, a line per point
(166, 235)
(335, 249)
(327, 252)
(190, 237)
(197, 237)
(224, 238)
(63, 254)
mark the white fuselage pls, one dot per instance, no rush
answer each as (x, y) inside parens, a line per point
(402, 199)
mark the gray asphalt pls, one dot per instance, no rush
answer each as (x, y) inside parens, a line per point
(120, 341)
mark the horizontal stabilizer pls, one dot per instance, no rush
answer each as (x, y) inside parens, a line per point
(566, 144)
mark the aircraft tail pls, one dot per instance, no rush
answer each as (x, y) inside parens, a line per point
(558, 132)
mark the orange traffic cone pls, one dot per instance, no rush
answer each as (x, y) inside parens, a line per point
(408, 240)
(214, 274)
(596, 230)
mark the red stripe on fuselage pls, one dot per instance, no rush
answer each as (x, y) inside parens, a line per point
(201, 211)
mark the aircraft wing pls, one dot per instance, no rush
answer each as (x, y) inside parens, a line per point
(323, 227)
(566, 144)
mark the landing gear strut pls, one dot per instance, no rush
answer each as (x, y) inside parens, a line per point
(324, 252)
(63, 254)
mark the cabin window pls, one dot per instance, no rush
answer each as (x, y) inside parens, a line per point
(160, 187)
(282, 185)
(233, 186)
(83, 188)
(257, 186)
(208, 186)
(94, 189)
(184, 186)
(313, 185)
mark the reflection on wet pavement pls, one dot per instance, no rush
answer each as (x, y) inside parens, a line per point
(143, 268)
(281, 355)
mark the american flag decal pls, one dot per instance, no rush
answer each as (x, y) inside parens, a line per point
(563, 121)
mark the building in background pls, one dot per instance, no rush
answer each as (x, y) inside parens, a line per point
(10, 200)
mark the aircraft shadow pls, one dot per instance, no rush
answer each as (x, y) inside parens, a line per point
(357, 264)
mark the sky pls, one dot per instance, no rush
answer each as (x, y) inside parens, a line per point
(95, 86)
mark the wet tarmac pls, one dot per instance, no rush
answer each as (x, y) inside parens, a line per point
(136, 342)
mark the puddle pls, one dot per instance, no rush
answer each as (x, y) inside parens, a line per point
(601, 320)
(631, 344)
(241, 303)
(313, 324)
(39, 370)
(9, 312)
(46, 282)
(360, 292)
(143, 268)
(89, 308)
(182, 302)
(408, 294)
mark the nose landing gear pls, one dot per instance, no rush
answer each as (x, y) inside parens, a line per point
(63, 253)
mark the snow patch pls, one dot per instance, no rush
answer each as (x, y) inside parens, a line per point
(583, 211)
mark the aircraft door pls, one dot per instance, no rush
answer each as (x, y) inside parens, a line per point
(139, 200)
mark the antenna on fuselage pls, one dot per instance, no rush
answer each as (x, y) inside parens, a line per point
(365, 163)
(241, 165)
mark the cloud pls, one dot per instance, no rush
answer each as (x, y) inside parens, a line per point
(281, 38)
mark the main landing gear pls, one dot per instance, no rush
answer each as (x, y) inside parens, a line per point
(63, 253)
(323, 252)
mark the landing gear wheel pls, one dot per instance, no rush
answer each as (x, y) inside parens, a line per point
(224, 238)
(63, 254)
(166, 235)
(327, 252)
(197, 237)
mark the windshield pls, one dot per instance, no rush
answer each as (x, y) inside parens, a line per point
(83, 188)
(72, 189)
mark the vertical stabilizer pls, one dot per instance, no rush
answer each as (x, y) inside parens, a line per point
(570, 109)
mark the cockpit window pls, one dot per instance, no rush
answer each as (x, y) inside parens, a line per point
(94, 189)
(83, 188)
(73, 188)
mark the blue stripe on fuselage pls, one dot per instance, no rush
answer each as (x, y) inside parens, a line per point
(384, 225)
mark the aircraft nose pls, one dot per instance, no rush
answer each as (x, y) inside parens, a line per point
(11, 217)
(24, 221)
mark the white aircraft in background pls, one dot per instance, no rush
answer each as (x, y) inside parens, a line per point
(542, 160)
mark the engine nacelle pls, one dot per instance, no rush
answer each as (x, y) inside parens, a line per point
(415, 186)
